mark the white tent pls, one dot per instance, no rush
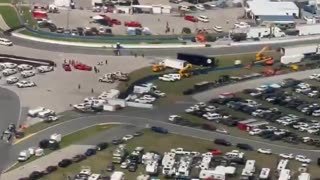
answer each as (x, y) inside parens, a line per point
(62, 3)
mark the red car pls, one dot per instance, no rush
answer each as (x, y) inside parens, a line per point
(83, 67)
(215, 151)
(191, 18)
(132, 24)
(67, 67)
(115, 22)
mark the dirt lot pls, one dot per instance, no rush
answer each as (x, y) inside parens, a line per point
(156, 23)
(57, 90)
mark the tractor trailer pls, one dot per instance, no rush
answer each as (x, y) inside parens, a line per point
(196, 59)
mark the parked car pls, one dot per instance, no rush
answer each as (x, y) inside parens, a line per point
(204, 19)
(127, 137)
(117, 141)
(65, 163)
(51, 169)
(25, 84)
(132, 24)
(222, 142)
(83, 67)
(132, 167)
(12, 80)
(286, 156)
(302, 159)
(24, 67)
(44, 69)
(102, 146)
(110, 168)
(138, 133)
(78, 158)
(191, 18)
(159, 130)
(90, 152)
(8, 65)
(8, 72)
(264, 151)
(245, 147)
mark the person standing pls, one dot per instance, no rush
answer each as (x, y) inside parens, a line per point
(106, 61)
(92, 91)
(79, 86)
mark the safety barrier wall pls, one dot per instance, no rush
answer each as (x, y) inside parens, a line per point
(139, 105)
(21, 59)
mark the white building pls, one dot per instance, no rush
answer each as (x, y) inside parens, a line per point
(257, 8)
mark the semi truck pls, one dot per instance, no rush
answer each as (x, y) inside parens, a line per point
(174, 63)
(196, 59)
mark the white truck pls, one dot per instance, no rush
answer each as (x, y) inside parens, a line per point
(24, 155)
(117, 175)
(174, 63)
(34, 112)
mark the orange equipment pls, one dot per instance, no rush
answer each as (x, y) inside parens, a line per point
(261, 58)
(271, 72)
(184, 72)
(201, 37)
(158, 68)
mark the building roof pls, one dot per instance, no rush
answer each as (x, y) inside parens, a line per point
(277, 18)
(265, 7)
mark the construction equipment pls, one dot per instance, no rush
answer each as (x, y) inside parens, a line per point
(158, 68)
(185, 72)
(261, 58)
(294, 67)
(271, 72)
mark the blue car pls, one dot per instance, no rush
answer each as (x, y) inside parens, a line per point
(90, 152)
(159, 130)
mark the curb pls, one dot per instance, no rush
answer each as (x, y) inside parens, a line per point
(102, 45)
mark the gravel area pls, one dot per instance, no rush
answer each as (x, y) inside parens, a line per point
(58, 89)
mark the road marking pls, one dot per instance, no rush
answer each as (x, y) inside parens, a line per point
(17, 141)
(12, 165)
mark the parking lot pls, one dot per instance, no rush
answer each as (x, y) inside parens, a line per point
(65, 85)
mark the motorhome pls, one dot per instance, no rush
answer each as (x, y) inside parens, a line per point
(285, 174)
(264, 174)
(248, 170)
(205, 163)
(304, 176)
(118, 154)
(149, 157)
(152, 168)
(282, 164)
(168, 163)
(117, 175)
(208, 174)
(184, 166)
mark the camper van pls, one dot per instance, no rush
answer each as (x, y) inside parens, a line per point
(5, 42)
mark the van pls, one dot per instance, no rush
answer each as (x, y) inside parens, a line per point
(5, 42)
(185, 8)
(34, 112)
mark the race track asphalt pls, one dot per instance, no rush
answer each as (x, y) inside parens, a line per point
(9, 113)
(149, 52)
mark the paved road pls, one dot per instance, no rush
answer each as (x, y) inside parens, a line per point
(148, 52)
(9, 113)
(213, 93)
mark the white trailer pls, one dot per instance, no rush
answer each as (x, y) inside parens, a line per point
(174, 63)
(282, 164)
(108, 107)
(261, 32)
(264, 174)
(285, 174)
(152, 167)
(217, 175)
(304, 176)
(291, 59)
(34, 112)
(117, 175)
(308, 29)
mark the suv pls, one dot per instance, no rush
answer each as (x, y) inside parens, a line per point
(245, 147)
(222, 142)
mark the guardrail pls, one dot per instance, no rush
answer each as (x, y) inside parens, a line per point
(20, 60)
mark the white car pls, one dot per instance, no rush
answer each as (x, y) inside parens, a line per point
(23, 67)
(125, 164)
(223, 131)
(168, 79)
(106, 79)
(174, 117)
(264, 151)
(8, 72)
(302, 159)
(212, 5)
(143, 101)
(210, 108)
(12, 80)
(200, 7)
(218, 29)
(26, 74)
(212, 116)
(314, 76)
(159, 93)
(8, 65)
(127, 137)
(286, 156)
(51, 119)
(204, 19)
(44, 69)
(82, 106)
(255, 132)
(25, 84)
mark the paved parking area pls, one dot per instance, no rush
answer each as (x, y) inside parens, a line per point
(156, 23)
(58, 89)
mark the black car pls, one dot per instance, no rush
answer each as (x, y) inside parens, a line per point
(78, 158)
(65, 163)
(90, 152)
(245, 147)
(117, 141)
(35, 175)
(19, 134)
(110, 168)
(51, 169)
(43, 144)
(222, 142)
(159, 130)
(132, 167)
(102, 146)
(138, 133)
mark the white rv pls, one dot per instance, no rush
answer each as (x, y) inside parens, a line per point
(117, 175)
(249, 169)
(285, 174)
(282, 164)
(118, 154)
(184, 166)
(152, 167)
(168, 163)
(264, 174)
